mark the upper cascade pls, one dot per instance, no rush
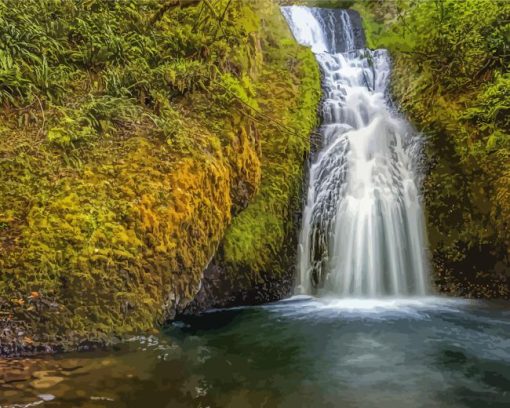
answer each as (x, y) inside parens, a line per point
(362, 231)
(326, 30)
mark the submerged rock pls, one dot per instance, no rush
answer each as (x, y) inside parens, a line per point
(46, 382)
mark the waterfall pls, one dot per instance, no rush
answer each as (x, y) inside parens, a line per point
(362, 231)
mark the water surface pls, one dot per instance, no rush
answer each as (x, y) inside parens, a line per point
(301, 352)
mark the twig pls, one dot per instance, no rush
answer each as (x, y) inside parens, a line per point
(198, 22)
(220, 21)
(215, 14)
(171, 5)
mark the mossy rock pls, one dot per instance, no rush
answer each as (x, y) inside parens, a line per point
(459, 101)
(116, 194)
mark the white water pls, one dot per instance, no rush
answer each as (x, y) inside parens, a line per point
(362, 232)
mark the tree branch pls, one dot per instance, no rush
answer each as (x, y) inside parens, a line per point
(171, 4)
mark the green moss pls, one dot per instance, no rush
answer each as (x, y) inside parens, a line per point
(377, 25)
(127, 147)
(450, 76)
(257, 239)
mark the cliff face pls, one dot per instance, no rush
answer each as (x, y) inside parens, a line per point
(466, 193)
(255, 261)
(135, 142)
(450, 76)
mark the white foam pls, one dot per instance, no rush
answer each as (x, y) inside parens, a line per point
(363, 230)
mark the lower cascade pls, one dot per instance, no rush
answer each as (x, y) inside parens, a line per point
(362, 231)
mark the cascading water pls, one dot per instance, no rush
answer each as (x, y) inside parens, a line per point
(362, 231)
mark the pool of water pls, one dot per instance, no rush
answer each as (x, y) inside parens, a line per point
(302, 352)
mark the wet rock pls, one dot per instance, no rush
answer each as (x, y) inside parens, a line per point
(42, 374)
(14, 375)
(219, 290)
(62, 390)
(70, 364)
(106, 362)
(46, 382)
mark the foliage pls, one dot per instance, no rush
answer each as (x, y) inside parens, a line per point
(490, 112)
(95, 116)
(450, 76)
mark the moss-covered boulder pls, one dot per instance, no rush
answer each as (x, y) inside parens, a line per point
(255, 262)
(136, 138)
(450, 77)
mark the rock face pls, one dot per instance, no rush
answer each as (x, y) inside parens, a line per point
(115, 199)
(464, 192)
(219, 290)
(469, 257)
(357, 28)
(457, 101)
(255, 261)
